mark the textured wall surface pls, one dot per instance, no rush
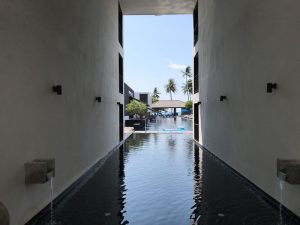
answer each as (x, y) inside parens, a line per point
(157, 7)
(243, 44)
(43, 43)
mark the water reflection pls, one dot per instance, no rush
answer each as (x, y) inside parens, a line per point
(136, 141)
(159, 187)
(122, 184)
(197, 181)
(171, 142)
(155, 137)
(166, 180)
(224, 198)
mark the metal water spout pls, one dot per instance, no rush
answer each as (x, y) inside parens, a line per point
(288, 171)
(39, 171)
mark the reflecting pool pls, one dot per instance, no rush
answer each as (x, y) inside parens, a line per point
(162, 179)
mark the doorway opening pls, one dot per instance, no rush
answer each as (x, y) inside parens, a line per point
(158, 72)
(196, 122)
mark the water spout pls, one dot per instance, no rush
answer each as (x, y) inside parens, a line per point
(288, 171)
(50, 175)
(39, 171)
(281, 176)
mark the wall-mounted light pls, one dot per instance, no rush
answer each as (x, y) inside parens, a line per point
(271, 87)
(118, 103)
(57, 89)
(98, 99)
(222, 98)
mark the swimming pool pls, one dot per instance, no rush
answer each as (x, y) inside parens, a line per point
(170, 123)
(163, 179)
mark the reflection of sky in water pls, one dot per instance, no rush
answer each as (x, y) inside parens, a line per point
(170, 123)
(162, 179)
(159, 180)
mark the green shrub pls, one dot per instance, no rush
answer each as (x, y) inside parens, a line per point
(136, 108)
(189, 104)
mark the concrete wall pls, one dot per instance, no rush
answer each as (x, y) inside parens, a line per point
(243, 44)
(43, 43)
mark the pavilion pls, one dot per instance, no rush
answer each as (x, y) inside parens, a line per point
(168, 104)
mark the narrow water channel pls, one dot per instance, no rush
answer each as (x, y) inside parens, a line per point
(163, 179)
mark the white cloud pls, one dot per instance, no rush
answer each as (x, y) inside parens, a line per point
(175, 66)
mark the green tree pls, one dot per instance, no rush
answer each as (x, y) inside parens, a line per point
(155, 95)
(189, 104)
(187, 74)
(171, 87)
(187, 88)
(136, 108)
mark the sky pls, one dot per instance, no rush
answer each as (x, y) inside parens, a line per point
(157, 48)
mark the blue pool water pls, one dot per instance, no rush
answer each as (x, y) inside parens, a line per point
(163, 179)
(165, 124)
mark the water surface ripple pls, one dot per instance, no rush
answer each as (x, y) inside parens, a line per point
(163, 179)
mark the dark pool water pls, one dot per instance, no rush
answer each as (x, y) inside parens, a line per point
(170, 123)
(163, 179)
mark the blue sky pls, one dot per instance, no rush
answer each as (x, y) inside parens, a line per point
(157, 48)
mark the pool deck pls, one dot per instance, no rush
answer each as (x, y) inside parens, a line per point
(127, 132)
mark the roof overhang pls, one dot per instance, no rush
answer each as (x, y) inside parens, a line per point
(168, 104)
(157, 7)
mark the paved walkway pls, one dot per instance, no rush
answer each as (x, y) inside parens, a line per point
(127, 132)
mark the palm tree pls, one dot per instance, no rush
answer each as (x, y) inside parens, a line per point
(155, 95)
(171, 87)
(188, 88)
(187, 73)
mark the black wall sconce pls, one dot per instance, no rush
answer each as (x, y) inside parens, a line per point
(118, 103)
(98, 99)
(57, 89)
(222, 98)
(271, 87)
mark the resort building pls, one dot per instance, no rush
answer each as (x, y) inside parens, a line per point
(130, 94)
(144, 97)
(62, 92)
(128, 97)
(169, 104)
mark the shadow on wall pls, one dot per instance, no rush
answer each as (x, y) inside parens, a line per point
(4, 216)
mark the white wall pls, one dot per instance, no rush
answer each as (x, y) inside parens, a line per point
(43, 43)
(243, 44)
